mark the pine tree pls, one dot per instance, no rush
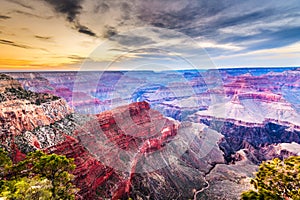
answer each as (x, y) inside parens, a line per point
(277, 180)
(39, 176)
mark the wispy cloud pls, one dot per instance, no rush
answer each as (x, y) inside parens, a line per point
(21, 3)
(4, 17)
(77, 58)
(14, 44)
(226, 27)
(11, 43)
(28, 14)
(43, 37)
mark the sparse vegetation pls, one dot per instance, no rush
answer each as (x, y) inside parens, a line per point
(5, 77)
(20, 93)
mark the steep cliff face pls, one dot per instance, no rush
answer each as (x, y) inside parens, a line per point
(244, 148)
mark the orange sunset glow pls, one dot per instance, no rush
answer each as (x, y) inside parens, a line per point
(60, 35)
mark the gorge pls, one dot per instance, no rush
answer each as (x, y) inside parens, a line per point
(152, 138)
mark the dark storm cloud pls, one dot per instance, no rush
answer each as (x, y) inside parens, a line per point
(109, 32)
(4, 17)
(71, 9)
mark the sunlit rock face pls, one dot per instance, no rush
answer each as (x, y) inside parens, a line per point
(95, 180)
(257, 114)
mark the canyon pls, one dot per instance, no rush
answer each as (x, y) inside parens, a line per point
(154, 135)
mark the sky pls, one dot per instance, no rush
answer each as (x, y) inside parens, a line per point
(143, 34)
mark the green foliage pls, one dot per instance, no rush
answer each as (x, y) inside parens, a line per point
(5, 164)
(276, 180)
(26, 188)
(5, 161)
(39, 176)
(55, 168)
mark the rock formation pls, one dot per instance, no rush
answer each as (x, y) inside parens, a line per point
(22, 110)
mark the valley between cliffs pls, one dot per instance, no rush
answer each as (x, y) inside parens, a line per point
(134, 151)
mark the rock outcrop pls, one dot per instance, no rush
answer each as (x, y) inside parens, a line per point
(7, 82)
(18, 116)
(22, 111)
(147, 149)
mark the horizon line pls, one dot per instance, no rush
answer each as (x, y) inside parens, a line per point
(125, 70)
